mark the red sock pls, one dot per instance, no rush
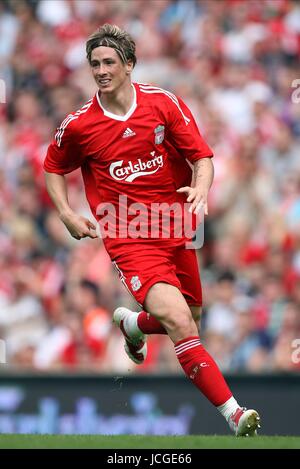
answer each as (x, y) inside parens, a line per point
(202, 370)
(149, 324)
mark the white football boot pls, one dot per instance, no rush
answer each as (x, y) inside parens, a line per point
(244, 422)
(135, 341)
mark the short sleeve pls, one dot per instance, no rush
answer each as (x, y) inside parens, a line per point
(63, 154)
(184, 133)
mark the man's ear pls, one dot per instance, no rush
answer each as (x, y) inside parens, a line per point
(129, 67)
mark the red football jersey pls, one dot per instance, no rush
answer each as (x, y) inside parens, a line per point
(141, 155)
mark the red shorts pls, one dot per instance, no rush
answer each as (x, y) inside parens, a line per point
(141, 266)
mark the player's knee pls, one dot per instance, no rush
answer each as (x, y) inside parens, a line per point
(180, 320)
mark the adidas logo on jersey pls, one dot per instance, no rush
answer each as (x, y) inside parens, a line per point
(128, 133)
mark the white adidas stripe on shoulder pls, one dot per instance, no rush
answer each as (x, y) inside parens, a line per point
(70, 118)
(155, 89)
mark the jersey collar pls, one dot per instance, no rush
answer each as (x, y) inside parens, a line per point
(115, 116)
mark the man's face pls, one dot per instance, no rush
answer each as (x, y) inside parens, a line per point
(109, 71)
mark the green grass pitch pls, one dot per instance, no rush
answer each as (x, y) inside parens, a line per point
(9, 441)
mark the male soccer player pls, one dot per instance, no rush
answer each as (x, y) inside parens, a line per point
(135, 140)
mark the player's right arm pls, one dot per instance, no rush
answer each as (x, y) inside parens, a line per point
(63, 156)
(78, 226)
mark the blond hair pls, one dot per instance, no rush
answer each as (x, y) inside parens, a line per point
(110, 35)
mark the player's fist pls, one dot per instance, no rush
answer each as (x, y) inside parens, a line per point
(78, 226)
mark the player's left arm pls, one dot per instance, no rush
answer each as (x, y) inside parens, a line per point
(186, 137)
(202, 181)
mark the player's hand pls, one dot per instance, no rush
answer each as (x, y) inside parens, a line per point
(79, 227)
(197, 197)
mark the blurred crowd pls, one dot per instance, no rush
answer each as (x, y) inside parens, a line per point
(235, 63)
